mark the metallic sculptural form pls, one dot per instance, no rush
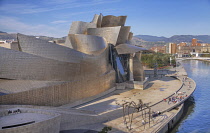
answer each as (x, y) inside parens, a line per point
(78, 27)
(138, 71)
(100, 18)
(77, 80)
(95, 19)
(111, 21)
(87, 43)
(24, 66)
(130, 36)
(109, 33)
(15, 46)
(49, 50)
(95, 56)
(123, 35)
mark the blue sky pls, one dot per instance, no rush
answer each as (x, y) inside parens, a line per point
(146, 17)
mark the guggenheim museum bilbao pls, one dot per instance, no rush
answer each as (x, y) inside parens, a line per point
(96, 58)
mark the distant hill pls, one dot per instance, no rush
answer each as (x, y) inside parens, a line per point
(146, 44)
(175, 38)
(188, 38)
(7, 36)
(151, 38)
(2, 32)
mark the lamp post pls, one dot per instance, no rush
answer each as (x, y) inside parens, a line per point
(176, 64)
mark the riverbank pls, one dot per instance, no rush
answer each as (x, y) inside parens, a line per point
(181, 74)
(197, 117)
(203, 60)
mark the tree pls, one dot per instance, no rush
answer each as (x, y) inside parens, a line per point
(161, 59)
(106, 129)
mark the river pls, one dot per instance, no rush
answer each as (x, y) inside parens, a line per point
(196, 118)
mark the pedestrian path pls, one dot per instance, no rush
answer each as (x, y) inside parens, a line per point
(146, 122)
(182, 94)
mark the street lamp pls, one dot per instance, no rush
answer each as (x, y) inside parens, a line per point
(176, 64)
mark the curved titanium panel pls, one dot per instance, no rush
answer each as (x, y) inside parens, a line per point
(87, 43)
(128, 49)
(109, 33)
(49, 50)
(15, 46)
(110, 21)
(78, 27)
(138, 71)
(130, 36)
(79, 80)
(97, 20)
(68, 43)
(20, 65)
(123, 35)
(14, 86)
(64, 93)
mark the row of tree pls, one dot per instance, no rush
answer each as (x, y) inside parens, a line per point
(159, 59)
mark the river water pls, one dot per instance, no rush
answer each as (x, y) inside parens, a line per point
(196, 117)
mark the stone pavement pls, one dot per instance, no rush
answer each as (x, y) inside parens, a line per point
(179, 96)
(137, 126)
(157, 94)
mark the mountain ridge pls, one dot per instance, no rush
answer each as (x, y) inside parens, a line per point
(175, 38)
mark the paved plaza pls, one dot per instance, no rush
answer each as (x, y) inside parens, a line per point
(155, 92)
(156, 95)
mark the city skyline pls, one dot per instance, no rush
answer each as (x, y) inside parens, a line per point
(148, 17)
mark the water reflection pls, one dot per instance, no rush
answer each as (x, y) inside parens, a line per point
(188, 110)
(197, 108)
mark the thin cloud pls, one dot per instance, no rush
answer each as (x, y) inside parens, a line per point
(59, 22)
(16, 26)
(51, 6)
(58, 1)
(105, 11)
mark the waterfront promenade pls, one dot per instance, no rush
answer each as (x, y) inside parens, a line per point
(174, 85)
(165, 107)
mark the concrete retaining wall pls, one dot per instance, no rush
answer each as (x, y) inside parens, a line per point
(168, 125)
